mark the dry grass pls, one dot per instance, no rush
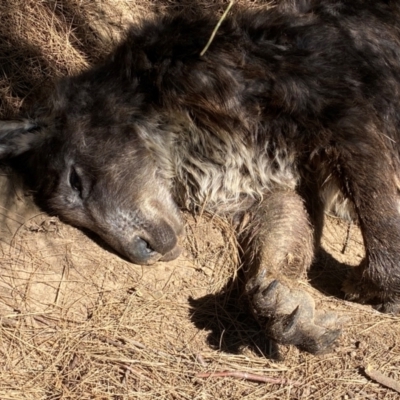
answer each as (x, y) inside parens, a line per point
(77, 322)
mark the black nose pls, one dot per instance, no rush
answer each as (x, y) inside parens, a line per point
(149, 249)
(158, 241)
(141, 252)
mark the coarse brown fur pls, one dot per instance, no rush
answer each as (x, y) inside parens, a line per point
(289, 109)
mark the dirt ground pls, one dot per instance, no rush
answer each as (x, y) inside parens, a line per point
(79, 322)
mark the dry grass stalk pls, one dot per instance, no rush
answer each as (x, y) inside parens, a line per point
(214, 32)
(382, 379)
(247, 376)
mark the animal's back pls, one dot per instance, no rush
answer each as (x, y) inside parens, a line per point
(274, 90)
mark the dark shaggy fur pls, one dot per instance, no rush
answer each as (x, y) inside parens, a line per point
(290, 108)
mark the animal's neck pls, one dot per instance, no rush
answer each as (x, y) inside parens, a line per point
(224, 172)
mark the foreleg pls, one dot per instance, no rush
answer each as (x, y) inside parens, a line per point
(279, 248)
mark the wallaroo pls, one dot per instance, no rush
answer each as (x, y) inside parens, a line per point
(289, 110)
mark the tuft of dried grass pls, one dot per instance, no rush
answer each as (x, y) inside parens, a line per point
(77, 322)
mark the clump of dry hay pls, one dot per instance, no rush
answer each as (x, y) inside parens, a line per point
(77, 322)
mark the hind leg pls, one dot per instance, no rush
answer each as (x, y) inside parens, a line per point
(279, 248)
(370, 181)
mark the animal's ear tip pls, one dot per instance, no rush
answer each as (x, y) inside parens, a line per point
(18, 136)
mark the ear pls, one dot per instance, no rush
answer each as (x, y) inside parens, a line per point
(17, 137)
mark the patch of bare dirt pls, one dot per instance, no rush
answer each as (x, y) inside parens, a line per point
(79, 322)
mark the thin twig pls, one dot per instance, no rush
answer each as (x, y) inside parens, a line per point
(248, 377)
(136, 372)
(65, 271)
(13, 239)
(122, 344)
(200, 360)
(112, 342)
(73, 363)
(346, 242)
(125, 376)
(214, 32)
(137, 344)
(382, 379)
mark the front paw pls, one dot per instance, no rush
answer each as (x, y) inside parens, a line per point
(289, 317)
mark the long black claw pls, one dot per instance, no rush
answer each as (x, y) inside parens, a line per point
(285, 328)
(289, 317)
(268, 291)
(290, 321)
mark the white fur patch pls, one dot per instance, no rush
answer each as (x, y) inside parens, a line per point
(217, 171)
(335, 201)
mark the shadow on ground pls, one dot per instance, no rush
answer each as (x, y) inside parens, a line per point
(228, 318)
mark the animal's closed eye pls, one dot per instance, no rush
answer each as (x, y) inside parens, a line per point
(75, 181)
